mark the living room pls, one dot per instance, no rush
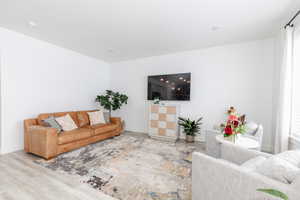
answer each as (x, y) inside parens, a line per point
(81, 118)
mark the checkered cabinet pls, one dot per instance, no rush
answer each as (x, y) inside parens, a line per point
(163, 122)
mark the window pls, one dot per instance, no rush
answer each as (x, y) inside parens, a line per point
(295, 124)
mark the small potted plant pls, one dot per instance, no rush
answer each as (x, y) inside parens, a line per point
(156, 100)
(112, 100)
(190, 127)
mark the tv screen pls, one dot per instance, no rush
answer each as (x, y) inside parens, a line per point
(170, 87)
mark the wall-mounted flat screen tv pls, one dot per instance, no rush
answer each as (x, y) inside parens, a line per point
(176, 87)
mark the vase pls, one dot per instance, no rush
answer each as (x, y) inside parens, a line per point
(189, 138)
(233, 138)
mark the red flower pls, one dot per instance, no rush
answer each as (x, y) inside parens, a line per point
(228, 130)
(232, 117)
(235, 123)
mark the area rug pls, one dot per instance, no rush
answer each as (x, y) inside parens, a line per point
(131, 168)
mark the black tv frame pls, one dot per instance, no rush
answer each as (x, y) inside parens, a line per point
(166, 75)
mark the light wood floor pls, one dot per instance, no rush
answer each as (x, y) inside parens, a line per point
(22, 179)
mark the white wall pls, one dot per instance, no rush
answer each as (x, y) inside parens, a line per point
(240, 75)
(39, 77)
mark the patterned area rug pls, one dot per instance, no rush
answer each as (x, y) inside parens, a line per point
(131, 168)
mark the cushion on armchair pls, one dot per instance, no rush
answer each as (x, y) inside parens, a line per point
(292, 157)
(251, 128)
(252, 164)
(278, 169)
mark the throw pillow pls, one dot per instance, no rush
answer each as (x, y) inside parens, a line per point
(278, 169)
(51, 122)
(66, 122)
(252, 164)
(292, 157)
(83, 119)
(251, 128)
(96, 117)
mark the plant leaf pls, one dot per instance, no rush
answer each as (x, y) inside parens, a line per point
(274, 193)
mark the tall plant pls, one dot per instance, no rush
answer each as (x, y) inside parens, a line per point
(112, 100)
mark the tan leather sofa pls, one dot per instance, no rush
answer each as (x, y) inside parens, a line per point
(48, 143)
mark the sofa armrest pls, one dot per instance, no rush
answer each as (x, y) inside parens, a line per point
(115, 120)
(214, 179)
(27, 124)
(238, 155)
(41, 141)
(30, 122)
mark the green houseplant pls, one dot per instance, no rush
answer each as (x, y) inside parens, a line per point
(190, 127)
(112, 100)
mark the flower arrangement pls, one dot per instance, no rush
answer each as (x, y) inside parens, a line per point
(235, 124)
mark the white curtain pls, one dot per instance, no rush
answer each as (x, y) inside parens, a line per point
(284, 91)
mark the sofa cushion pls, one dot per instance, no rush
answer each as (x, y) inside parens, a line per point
(74, 135)
(58, 114)
(96, 118)
(51, 122)
(83, 118)
(103, 128)
(66, 123)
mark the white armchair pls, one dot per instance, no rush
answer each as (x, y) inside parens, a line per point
(255, 132)
(212, 145)
(224, 179)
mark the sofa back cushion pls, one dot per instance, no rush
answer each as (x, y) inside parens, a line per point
(66, 122)
(58, 114)
(96, 117)
(83, 118)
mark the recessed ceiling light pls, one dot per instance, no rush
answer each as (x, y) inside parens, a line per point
(215, 28)
(32, 24)
(110, 51)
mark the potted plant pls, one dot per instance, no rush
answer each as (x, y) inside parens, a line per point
(234, 126)
(190, 127)
(112, 100)
(156, 100)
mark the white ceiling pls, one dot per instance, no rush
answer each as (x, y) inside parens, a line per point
(115, 30)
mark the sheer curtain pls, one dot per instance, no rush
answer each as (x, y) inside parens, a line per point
(284, 95)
